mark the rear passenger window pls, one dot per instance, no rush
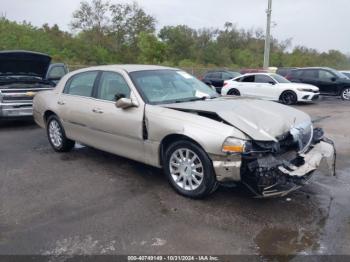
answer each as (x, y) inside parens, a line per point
(81, 84)
(311, 73)
(216, 75)
(249, 79)
(263, 79)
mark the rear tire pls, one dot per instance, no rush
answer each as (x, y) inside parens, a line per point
(233, 92)
(345, 94)
(189, 170)
(57, 136)
(288, 98)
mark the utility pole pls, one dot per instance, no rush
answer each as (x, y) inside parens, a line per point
(268, 36)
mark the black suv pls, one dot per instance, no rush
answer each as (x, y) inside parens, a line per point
(328, 80)
(216, 78)
(284, 71)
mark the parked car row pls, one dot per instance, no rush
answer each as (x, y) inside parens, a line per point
(287, 85)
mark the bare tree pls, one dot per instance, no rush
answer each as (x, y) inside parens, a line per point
(92, 17)
(128, 21)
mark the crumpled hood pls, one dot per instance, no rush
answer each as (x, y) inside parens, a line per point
(259, 119)
(24, 63)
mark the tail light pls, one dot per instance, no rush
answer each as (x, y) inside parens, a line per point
(225, 83)
(288, 77)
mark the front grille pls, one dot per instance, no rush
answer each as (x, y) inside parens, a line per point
(17, 98)
(14, 95)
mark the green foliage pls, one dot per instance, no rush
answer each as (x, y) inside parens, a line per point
(106, 33)
(152, 51)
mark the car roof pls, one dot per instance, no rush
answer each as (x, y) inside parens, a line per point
(319, 67)
(221, 70)
(253, 74)
(128, 68)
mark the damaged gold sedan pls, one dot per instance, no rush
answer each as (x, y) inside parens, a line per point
(166, 118)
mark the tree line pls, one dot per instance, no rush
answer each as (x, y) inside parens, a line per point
(103, 32)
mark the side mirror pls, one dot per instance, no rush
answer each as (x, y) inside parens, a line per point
(272, 83)
(333, 79)
(125, 103)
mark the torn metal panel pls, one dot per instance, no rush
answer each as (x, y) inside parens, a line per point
(280, 174)
(321, 152)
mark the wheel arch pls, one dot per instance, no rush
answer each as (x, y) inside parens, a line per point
(171, 138)
(47, 114)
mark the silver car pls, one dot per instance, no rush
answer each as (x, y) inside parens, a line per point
(166, 118)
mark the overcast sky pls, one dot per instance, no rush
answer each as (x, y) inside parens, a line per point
(320, 24)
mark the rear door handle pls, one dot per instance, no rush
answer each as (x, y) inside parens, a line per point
(61, 103)
(97, 111)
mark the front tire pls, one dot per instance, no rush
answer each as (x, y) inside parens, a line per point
(189, 170)
(345, 94)
(289, 98)
(57, 136)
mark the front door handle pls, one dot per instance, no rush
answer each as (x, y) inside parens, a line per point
(61, 103)
(97, 111)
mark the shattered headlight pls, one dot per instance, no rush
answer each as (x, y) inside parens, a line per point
(235, 145)
(303, 135)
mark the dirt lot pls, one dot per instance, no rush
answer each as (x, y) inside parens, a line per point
(91, 202)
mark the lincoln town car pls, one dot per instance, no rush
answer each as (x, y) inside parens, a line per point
(166, 118)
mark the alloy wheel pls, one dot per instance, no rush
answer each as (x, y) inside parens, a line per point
(55, 133)
(186, 169)
(288, 98)
(346, 94)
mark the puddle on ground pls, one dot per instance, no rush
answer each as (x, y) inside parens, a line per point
(285, 242)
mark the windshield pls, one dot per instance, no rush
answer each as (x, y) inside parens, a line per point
(280, 79)
(170, 86)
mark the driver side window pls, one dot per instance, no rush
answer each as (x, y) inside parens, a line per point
(325, 75)
(112, 84)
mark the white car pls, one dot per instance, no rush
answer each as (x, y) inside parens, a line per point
(270, 87)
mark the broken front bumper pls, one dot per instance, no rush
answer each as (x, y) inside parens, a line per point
(277, 175)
